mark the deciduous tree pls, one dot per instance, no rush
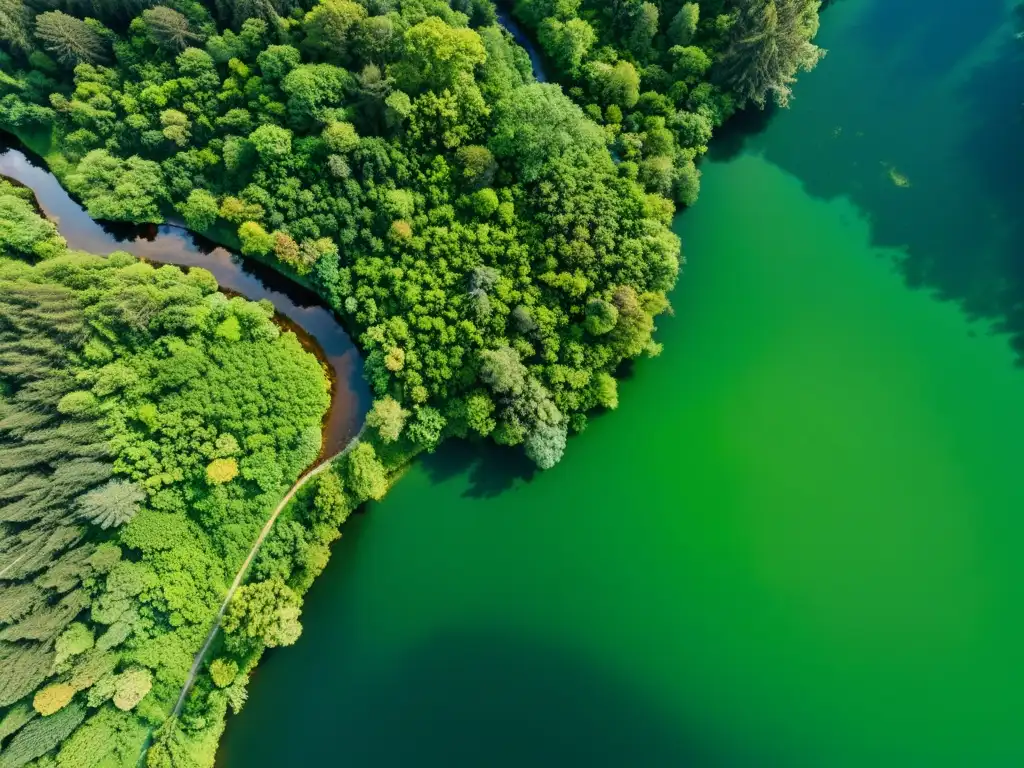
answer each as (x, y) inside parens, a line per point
(267, 611)
(388, 417)
(53, 698)
(365, 474)
(331, 28)
(131, 687)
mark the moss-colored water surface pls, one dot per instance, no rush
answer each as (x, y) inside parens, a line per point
(798, 541)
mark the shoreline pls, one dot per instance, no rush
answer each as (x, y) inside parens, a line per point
(294, 301)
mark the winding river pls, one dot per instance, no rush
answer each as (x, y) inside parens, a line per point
(506, 20)
(298, 309)
(798, 540)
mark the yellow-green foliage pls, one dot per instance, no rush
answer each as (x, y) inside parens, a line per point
(223, 672)
(23, 234)
(120, 389)
(220, 471)
(53, 698)
(130, 687)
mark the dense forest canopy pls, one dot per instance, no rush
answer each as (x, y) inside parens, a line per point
(496, 260)
(660, 77)
(498, 246)
(147, 423)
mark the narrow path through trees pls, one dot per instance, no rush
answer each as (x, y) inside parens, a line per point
(240, 575)
(538, 68)
(11, 565)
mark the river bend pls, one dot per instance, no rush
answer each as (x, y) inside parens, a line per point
(298, 308)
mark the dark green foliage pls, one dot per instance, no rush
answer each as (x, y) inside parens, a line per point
(72, 41)
(14, 24)
(119, 383)
(16, 717)
(17, 600)
(50, 460)
(41, 735)
(661, 76)
(45, 623)
(770, 42)
(25, 667)
(683, 26)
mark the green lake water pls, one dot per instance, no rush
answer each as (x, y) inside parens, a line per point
(799, 541)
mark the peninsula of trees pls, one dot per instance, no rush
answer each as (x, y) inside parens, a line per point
(498, 247)
(147, 423)
(660, 77)
(497, 252)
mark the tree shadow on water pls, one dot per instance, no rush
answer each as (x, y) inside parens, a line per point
(470, 698)
(490, 469)
(971, 249)
(996, 149)
(738, 131)
(927, 140)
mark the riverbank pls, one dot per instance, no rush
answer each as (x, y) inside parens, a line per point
(523, 40)
(810, 555)
(193, 410)
(309, 475)
(255, 280)
(173, 245)
(298, 305)
(40, 145)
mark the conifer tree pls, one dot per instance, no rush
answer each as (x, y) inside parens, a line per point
(771, 42)
(111, 505)
(71, 40)
(41, 735)
(169, 29)
(14, 25)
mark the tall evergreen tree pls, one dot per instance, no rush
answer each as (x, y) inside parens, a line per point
(111, 505)
(71, 40)
(14, 25)
(169, 29)
(771, 41)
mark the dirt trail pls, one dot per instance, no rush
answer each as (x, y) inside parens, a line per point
(248, 561)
